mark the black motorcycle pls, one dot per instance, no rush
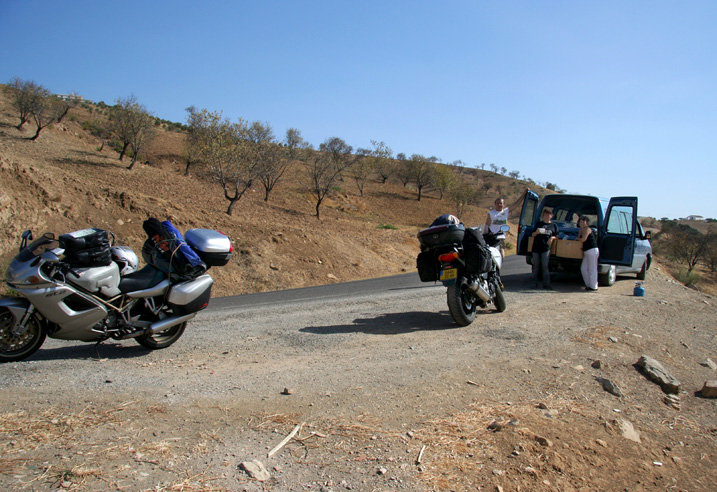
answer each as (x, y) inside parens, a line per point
(467, 262)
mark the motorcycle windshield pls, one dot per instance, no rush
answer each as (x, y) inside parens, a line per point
(37, 247)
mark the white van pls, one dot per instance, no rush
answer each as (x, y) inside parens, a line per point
(624, 246)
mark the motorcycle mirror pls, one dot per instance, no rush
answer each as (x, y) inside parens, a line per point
(504, 228)
(26, 236)
(50, 257)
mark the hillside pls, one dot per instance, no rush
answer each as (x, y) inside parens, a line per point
(63, 182)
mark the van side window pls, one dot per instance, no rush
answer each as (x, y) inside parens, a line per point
(620, 220)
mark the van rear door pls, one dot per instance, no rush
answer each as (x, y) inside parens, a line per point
(527, 221)
(617, 235)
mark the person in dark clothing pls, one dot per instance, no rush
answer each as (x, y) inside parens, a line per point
(589, 266)
(543, 238)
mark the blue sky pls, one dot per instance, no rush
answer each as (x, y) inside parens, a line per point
(600, 97)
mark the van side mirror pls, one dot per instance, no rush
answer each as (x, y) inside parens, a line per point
(648, 234)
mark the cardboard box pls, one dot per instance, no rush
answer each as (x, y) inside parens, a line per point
(552, 246)
(565, 248)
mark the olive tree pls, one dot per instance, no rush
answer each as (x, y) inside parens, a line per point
(462, 195)
(133, 125)
(271, 157)
(422, 172)
(25, 96)
(362, 168)
(326, 167)
(445, 178)
(384, 165)
(45, 112)
(191, 150)
(225, 148)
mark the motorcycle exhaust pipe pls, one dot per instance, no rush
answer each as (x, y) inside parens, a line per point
(480, 291)
(157, 326)
(168, 323)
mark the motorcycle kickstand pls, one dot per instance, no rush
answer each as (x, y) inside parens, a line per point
(97, 351)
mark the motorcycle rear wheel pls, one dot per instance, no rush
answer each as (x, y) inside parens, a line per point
(18, 347)
(162, 339)
(461, 303)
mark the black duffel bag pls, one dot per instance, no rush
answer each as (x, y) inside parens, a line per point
(476, 254)
(88, 258)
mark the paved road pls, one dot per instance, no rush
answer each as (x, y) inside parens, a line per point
(515, 270)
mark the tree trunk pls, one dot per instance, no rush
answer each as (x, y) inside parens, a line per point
(124, 149)
(232, 203)
(318, 204)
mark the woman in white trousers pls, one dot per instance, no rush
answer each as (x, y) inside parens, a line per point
(589, 267)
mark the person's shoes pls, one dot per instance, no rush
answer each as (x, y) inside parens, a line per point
(590, 290)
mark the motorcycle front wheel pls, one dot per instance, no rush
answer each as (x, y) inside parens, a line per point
(461, 302)
(17, 346)
(499, 300)
(162, 339)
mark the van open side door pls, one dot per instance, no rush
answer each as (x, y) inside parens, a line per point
(527, 221)
(617, 236)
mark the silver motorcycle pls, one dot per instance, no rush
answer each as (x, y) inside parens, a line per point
(95, 294)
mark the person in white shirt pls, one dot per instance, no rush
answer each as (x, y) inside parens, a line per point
(499, 216)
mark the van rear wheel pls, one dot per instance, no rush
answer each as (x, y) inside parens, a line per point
(607, 279)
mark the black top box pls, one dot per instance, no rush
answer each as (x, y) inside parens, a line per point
(442, 235)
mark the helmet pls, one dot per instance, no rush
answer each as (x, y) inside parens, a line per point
(446, 219)
(125, 258)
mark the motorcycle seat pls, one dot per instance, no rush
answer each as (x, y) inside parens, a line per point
(145, 278)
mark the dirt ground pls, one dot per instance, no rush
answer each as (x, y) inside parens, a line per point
(511, 403)
(381, 395)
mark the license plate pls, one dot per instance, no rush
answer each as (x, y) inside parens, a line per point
(449, 274)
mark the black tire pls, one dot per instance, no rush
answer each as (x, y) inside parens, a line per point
(608, 279)
(461, 303)
(18, 347)
(163, 339)
(642, 274)
(499, 300)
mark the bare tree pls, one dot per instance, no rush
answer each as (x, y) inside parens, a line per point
(687, 245)
(225, 148)
(271, 158)
(384, 165)
(444, 179)
(362, 168)
(403, 169)
(191, 150)
(494, 168)
(133, 125)
(422, 172)
(45, 112)
(24, 97)
(326, 167)
(462, 195)
(66, 103)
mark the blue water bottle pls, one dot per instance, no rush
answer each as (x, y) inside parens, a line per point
(639, 290)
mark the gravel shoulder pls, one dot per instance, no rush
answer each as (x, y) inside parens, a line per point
(511, 401)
